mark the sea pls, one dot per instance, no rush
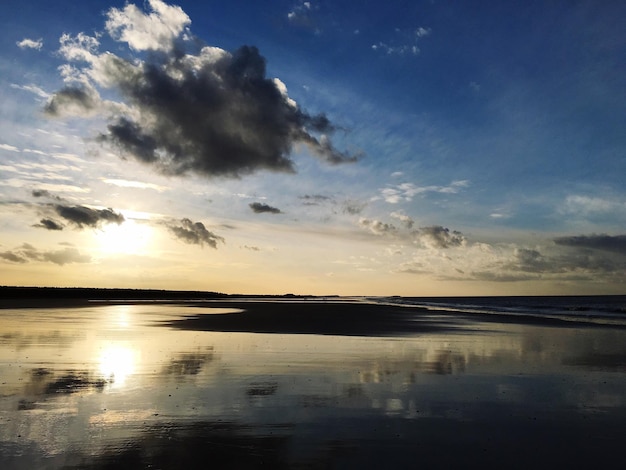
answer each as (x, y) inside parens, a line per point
(510, 382)
(601, 309)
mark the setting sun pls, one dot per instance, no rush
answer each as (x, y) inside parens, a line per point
(128, 237)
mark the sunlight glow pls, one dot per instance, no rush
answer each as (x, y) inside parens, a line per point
(129, 237)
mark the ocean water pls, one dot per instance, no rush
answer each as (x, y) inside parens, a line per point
(609, 309)
(117, 386)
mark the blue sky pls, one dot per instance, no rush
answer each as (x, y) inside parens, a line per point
(414, 148)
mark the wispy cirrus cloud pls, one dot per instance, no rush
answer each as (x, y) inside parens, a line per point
(133, 184)
(9, 148)
(403, 42)
(31, 89)
(394, 194)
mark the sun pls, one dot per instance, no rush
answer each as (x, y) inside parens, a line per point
(130, 237)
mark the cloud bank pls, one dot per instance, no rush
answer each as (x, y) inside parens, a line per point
(186, 108)
(615, 244)
(26, 253)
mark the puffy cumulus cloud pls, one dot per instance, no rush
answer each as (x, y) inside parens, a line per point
(405, 219)
(302, 14)
(82, 216)
(434, 238)
(511, 263)
(27, 253)
(49, 224)
(377, 227)
(156, 30)
(195, 233)
(27, 43)
(187, 108)
(260, 208)
(437, 237)
(615, 244)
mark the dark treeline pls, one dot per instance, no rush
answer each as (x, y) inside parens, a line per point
(89, 293)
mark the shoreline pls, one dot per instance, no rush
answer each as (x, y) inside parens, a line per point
(315, 315)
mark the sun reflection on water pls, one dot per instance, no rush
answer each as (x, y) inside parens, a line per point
(116, 363)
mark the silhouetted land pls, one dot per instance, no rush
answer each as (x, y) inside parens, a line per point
(16, 297)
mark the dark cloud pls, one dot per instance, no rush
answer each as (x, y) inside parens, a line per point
(314, 199)
(195, 233)
(27, 253)
(185, 110)
(440, 237)
(44, 193)
(82, 216)
(501, 277)
(260, 208)
(532, 261)
(78, 99)
(49, 224)
(79, 216)
(13, 257)
(615, 244)
(353, 207)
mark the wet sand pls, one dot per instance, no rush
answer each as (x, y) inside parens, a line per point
(295, 383)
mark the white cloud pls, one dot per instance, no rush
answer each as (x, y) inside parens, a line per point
(69, 157)
(30, 44)
(422, 32)
(283, 91)
(407, 191)
(156, 30)
(36, 152)
(586, 205)
(8, 147)
(408, 221)
(404, 42)
(32, 89)
(376, 226)
(134, 184)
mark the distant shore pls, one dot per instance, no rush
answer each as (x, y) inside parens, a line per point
(40, 297)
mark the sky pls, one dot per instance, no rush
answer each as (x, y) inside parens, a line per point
(417, 148)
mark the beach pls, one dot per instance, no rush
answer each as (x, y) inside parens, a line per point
(312, 383)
